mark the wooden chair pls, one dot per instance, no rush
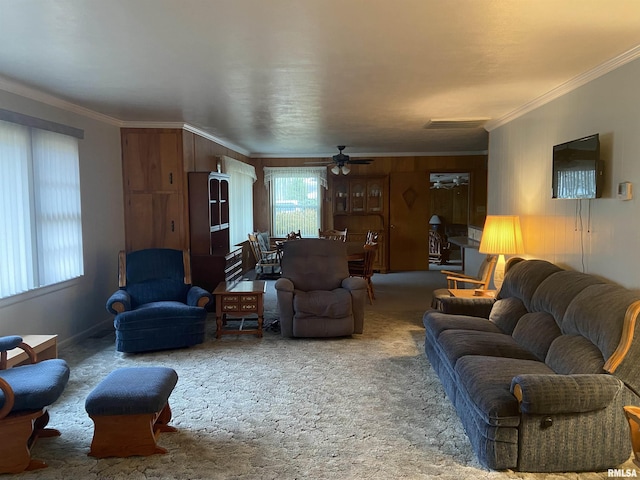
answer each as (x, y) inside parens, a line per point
(439, 248)
(267, 261)
(364, 269)
(633, 416)
(481, 281)
(340, 235)
(294, 235)
(372, 237)
(458, 280)
(27, 391)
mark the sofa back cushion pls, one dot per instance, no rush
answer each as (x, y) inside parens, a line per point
(557, 291)
(506, 312)
(597, 313)
(523, 278)
(574, 354)
(536, 331)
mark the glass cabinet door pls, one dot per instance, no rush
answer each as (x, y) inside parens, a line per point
(374, 196)
(358, 198)
(341, 204)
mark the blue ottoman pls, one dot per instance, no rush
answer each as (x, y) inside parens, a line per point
(129, 409)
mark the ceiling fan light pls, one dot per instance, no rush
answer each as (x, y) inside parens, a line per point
(335, 170)
(345, 169)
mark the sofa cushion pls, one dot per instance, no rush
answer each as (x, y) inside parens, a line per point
(436, 322)
(506, 313)
(486, 383)
(459, 343)
(572, 354)
(535, 332)
(523, 278)
(557, 291)
(597, 313)
(322, 303)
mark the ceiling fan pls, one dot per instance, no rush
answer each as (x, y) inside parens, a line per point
(448, 181)
(342, 161)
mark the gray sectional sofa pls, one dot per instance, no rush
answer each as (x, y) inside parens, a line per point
(540, 385)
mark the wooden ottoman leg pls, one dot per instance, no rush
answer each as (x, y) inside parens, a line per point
(127, 435)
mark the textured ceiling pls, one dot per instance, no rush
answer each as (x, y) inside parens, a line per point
(298, 77)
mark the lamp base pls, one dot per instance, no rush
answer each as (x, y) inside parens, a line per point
(498, 274)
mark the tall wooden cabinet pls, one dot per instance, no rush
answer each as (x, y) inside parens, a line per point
(168, 205)
(154, 188)
(360, 204)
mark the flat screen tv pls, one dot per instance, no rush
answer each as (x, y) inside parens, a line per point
(577, 169)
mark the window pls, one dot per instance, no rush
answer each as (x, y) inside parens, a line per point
(241, 179)
(296, 199)
(41, 237)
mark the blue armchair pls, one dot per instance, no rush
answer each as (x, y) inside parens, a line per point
(25, 393)
(156, 307)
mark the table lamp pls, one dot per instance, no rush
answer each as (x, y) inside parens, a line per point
(435, 222)
(501, 236)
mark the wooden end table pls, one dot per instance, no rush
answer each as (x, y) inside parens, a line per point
(471, 293)
(237, 300)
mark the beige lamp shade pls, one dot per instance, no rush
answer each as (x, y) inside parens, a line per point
(502, 235)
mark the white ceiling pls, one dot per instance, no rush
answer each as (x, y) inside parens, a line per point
(298, 77)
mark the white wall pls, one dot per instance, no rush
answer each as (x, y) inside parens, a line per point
(78, 308)
(604, 242)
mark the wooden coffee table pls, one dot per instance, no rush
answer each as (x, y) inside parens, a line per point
(238, 300)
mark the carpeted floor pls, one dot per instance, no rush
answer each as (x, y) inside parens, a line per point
(367, 407)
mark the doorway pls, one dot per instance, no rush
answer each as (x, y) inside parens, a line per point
(449, 203)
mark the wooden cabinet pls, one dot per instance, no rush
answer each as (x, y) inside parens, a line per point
(209, 213)
(360, 195)
(360, 204)
(156, 210)
(212, 261)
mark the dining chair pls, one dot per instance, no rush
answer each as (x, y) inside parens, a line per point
(364, 268)
(340, 235)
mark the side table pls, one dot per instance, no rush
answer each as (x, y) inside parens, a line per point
(237, 300)
(472, 293)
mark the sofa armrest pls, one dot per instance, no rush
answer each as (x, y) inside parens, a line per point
(473, 307)
(119, 302)
(555, 394)
(199, 297)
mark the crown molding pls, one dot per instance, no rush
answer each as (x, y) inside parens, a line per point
(39, 96)
(564, 88)
(369, 155)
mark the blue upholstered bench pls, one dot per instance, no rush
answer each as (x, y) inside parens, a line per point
(129, 408)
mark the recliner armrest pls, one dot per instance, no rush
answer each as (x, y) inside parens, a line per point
(119, 302)
(198, 296)
(284, 284)
(555, 394)
(354, 283)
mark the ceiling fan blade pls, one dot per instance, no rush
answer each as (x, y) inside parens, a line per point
(361, 161)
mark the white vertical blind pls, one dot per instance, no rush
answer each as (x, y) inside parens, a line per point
(241, 179)
(296, 199)
(16, 261)
(57, 206)
(41, 235)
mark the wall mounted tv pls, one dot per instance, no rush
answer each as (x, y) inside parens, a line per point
(577, 169)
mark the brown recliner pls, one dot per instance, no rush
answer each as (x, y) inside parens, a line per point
(316, 297)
